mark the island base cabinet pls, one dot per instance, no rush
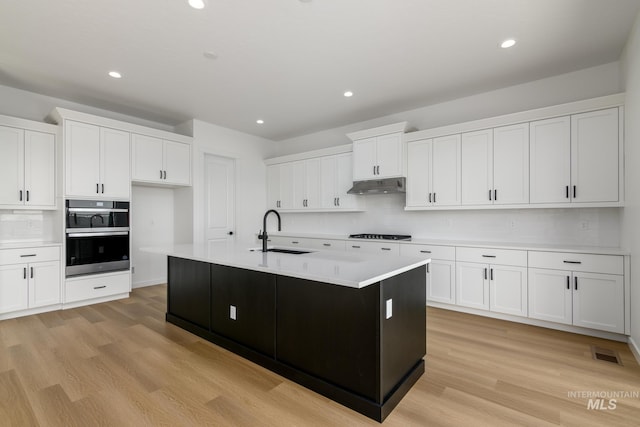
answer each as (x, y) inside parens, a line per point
(190, 296)
(243, 307)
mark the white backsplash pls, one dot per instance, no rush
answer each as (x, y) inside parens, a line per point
(385, 214)
(19, 226)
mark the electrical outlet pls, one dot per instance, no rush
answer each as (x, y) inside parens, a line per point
(232, 312)
(133, 270)
(389, 308)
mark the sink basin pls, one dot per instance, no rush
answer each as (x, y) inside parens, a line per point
(288, 251)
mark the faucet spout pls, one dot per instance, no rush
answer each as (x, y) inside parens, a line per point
(264, 235)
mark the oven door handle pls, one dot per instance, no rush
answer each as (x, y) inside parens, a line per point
(97, 210)
(106, 233)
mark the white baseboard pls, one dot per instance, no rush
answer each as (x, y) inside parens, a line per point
(145, 283)
(634, 349)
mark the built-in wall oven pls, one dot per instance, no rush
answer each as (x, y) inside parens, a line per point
(97, 237)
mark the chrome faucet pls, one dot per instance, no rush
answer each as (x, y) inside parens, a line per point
(263, 233)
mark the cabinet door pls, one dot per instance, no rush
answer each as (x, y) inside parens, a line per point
(445, 171)
(419, 173)
(550, 160)
(389, 155)
(273, 187)
(14, 290)
(44, 284)
(39, 169)
(328, 182)
(82, 156)
(477, 167)
(189, 291)
(299, 184)
(344, 182)
(177, 163)
(594, 156)
(511, 164)
(115, 181)
(312, 183)
(287, 186)
(441, 281)
(472, 285)
(598, 301)
(508, 289)
(364, 159)
(550, 295)
(11, 166)
(146, 157)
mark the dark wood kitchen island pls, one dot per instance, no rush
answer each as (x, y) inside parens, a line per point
(350, 327)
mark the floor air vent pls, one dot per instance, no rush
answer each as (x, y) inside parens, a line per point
(605, 354)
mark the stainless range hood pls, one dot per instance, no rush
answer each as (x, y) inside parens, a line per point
(379, 186)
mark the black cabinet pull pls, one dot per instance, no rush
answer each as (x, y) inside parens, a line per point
(31, 275)
(488, 256)
(24, 273)
(160, 173)
(491, 276)
(495, 195)
(355, 247)
(295, 242)
(429, 197)
(338, 198)
(102, 188)
(485, 274)
(427, 268)
(574, 191)
(572, 262)
(425, 252)
(434, 197)
(568, 282)
(100, 287)
(27, 255)
(378, 170)
(575, 281)
(97, 188)
(20, 195)
(374, 170)
(165, 174)
(326, 244)
(566, 191)
(386, 249)
(27, 195)
(489, 195)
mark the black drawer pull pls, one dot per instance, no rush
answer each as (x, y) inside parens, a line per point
(386, 249)
(326, 244)
(100, 287)
(294, 242)
(488, 256)
(355, 247)
(572, 262)
(26, 256)
(425, 252)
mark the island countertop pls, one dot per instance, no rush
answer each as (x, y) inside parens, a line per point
(353, 270)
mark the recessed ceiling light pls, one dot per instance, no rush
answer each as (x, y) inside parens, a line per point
(508, 43)
(115, 74)
(259, 121)
(348, 94)
(197, 4)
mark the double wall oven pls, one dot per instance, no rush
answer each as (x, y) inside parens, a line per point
(97, 237)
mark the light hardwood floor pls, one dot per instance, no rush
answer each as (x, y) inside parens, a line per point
(120, 364)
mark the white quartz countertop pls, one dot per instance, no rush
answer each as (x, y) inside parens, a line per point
(603, 250)
(338, 268)
(34, 244)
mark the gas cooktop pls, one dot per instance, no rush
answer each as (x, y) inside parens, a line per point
(381, 236)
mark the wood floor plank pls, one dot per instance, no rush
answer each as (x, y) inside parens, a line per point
(120, 363)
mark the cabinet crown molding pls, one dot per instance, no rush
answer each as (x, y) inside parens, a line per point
(378, 131)
(339, 149)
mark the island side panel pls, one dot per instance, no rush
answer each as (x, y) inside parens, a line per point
(189, 291)
(253, 296)
(330, 332)
(404, 334)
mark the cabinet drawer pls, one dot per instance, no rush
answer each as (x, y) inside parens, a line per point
(291, 242)
(328, 245)
(492, 256)
(28, 255)
(607, 264)
(96, 286)
(373, 247)
(430, 251)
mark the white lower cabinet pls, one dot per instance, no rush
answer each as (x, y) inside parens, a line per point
(590, 294)
(472, 285)
(86, 288)
(508, 290)
(29, 278)
(441, 271)
(373, 247)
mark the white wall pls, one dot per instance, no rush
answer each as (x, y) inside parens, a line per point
(631, 212)
(582, 227)
(152, 224)
(249, 153)
(588, 83)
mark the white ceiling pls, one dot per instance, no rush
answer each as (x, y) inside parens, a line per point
(289, 62)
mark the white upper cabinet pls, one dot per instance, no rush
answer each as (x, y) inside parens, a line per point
(306, 184)
(595, 156)
(550, 160)
(495, 166)
(575, 159)
(336, 178)
(273, 187)
(159, 161)
(97, 161)
(433, 168)
(27, 169)
(378, 157)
